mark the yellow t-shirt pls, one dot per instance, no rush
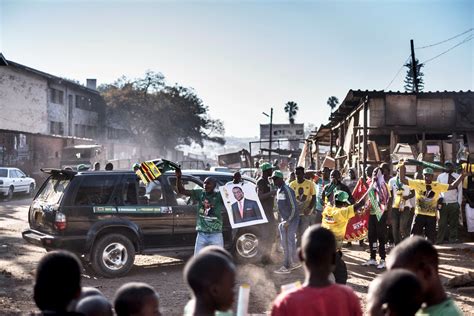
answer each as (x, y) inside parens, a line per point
(426, 197)
(304, 192)
(336, 218)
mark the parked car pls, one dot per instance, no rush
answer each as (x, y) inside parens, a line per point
(105, 219)
(13, 180)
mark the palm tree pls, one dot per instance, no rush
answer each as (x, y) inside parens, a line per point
(332, 102)
(291, 108)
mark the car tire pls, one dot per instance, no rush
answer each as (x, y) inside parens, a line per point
(340, 273)
(248, 245)
(31, 190)
(112, 256)
(9, 195)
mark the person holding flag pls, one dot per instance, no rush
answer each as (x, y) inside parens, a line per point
(378, 201)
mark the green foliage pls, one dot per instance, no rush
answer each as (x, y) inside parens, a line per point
(332, 102)
(160, 115)
(409, 78)
(291, 108)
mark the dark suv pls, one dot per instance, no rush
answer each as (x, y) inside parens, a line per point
(107, 218)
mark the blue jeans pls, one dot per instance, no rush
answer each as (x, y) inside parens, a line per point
(207, 239)
(288, 242)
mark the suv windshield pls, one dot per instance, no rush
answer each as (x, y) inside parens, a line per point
(53, 190)
(3, 173)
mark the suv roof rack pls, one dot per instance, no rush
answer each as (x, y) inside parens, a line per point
(54, 171)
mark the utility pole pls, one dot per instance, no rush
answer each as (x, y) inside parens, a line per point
(413, 66)
(271, 133)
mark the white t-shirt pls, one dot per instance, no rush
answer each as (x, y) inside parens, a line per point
(392, 183)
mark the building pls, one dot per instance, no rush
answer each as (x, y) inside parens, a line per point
(370, 127)
(36, 102)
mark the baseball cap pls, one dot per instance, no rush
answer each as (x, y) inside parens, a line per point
(341, 196)
(277, 174)
(448, 162)
(82, 167)
(266, 166)
(428, 171)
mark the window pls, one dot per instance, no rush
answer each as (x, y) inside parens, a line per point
(83, 102)
(56, 128)
(13, 174)
(188, 185)
(20, 173)
(95, 190)
(3, 173)
(56, 96)
(129, 193)
(80, 130)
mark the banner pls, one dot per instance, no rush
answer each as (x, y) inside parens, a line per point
(358, 226)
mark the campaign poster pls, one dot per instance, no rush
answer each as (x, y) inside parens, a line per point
(242, 204)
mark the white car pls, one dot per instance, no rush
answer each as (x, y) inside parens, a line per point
(13, 180)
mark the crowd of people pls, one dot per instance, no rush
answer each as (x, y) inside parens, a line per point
(313, 211)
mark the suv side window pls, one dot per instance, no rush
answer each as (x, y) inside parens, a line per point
(13, 174)
(95, 190)
(129, 192)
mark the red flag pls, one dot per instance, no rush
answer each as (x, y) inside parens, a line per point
(358, 225)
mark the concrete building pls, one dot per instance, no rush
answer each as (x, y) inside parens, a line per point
(37, 102)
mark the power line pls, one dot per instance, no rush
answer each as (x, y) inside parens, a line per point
(467, 39)
(398, 72)
(447, 40)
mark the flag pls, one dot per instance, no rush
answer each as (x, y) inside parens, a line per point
(358, 226)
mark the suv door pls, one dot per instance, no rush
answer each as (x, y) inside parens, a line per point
(153, 215)
(184, 210)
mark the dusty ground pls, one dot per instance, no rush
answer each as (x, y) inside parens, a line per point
(18, 261)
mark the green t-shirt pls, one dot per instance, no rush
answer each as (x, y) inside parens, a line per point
(209, 212)
(446, 308)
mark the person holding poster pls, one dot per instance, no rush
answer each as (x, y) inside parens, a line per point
(209, 217)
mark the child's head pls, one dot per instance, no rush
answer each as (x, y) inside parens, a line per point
(395, 292)
(95, 305)
(211, 277)
(420, 257)
(136, 298)
(58, 281)
(318, 250)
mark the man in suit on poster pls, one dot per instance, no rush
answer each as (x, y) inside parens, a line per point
(244, 209)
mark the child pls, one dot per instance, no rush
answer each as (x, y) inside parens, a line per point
(58, 282)
(318, 296)
(95, 305)
(420, 257)
(211, 277)
(395, 292)
(137, 299)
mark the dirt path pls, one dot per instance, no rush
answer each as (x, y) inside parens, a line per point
(18, 261)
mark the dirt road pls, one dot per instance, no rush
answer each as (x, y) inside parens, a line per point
(18, 260)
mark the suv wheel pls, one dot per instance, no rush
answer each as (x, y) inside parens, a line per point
(112, 256)
(248, 245)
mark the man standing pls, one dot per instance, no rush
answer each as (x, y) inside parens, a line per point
(289, 222)
(450, 206)
(209, 213)
(350, 180)
(427, 193)
(336, 185)
(306, 198)
(320, 185)
(401, 206)
(266, 195)
(243, 209)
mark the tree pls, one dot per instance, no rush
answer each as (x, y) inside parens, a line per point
(291, 108)
(160, 115)
(409, 78)
(332, 102)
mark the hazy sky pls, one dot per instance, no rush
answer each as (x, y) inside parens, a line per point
(243, 57)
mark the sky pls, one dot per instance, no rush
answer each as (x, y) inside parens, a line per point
(245, 57)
